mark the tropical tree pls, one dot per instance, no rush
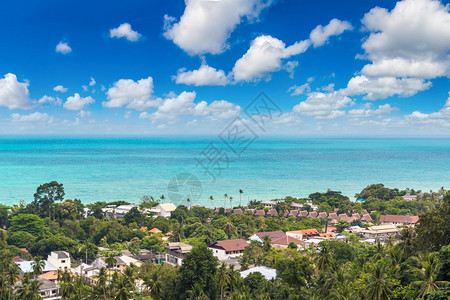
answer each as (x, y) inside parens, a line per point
(223, 278)
(378, 284)
(47, 194)
(240, 197)
(225, 196)
(427, 273)
(38, 266)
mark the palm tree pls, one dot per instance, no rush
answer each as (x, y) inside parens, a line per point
(153, 282)
(212, 200)
(101, 280)
(13, 274)
(111, 262)
(162, 198)
(407, 238)
(229, 229)
(378, 287)
(38, 266)
(223, 278)
(324, 259)
(5, 262)
(240, 197)
(123, 289)
(231, 201)
(197, 293)
(225, 196)
(429, 266)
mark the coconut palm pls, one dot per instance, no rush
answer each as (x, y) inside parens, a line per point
(123, 289)
(225, 196)
(223, 278)
(154, 283)
(378, 285)
(38, 266)
(427, 272)
(231, 201)
(211, 198)
(101, 281)
(324, 259)
(13, 273)
(240, 197)
(197, 293)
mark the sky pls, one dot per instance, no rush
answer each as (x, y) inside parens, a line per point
(147, 67)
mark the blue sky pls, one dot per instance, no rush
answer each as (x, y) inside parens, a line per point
(191, 67)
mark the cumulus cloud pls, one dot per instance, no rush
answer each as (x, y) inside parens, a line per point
(321, 34)
(92, 82)
(184, 105)
(412, 40)
(441, 117)
(384, 87)
(323, 105)
(63, 47)
(49, 99)
(14, 94)
(34, 117)
(125, 31)
(299, 90)
(76, 102)
(205, 26)
(132, 94)
(205, 75)
(364, 113)
(60, 88)
(265, 56)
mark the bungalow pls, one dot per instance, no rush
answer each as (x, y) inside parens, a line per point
(273, 235)
(398, 220)
(228, 210)
(270, 204)
(380, 232)
(284, 242)
(409, 197)
(48, 289)
(100, 262)
(228, 249)
(272, 213)
(164, 209)
(86, 270)
(323, 215)
(313, 214)
(356, 216)
(303, 234)
(333, 216)
(27, 266)
(59, 259)
(303, 213)
(259, 213)
(154, 230)
(237, 211)
(176, 252)
(366, 218)
(293, 213)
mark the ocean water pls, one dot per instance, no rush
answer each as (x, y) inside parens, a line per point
(128, 168)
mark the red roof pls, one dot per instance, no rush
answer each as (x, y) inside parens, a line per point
(323, 215)
(356, 216)
(260, 212)
(309, 231)
(231, 245)
(333, 216)
(272, 212)
(399, 219)
(303, 213)
(293, 213)
(367, 218)
(237, 211)
(313, 214)
(228, 210)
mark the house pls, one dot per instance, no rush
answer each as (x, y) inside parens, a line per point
(228, 210)
(303, 234)
(270, 204)
(165, 209)
(60, 259)
(237, 211)
(356, 216)
(267, 272)
(303, 213)
(398, 220)
(380, 231)
(409, 197)
(323, 215)
(366, 218)
(228, 248)
(27, 266)
(52, 276)
(272, 213)
(259, 213)
(176, 252)
(313, 214)
(293, 213)
(333, 216)
(273, 235)
(86, 270)
(100, 262)
(119, 212)
(48, 289)
(154, 230)
(284, 242)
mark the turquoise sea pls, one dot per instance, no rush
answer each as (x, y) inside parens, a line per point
(109, 169)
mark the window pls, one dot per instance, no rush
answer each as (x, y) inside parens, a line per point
(63, 261)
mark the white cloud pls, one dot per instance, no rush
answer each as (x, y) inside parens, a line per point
(323, 105)
(63, 48)
(364, 113)
(441, 117)
(34, 117)
(76, 102)
(84, 113)
(92, 82)
(205, 26)
(49, 99)
(132, 94)
(205, 75)
(184, 105)
(384, 87)
(321, 34)
(299, 90)
(60, 88)
(265, 56)
(14, 94)
(413, 40)
(85, 88)
(124, 30)
(127, 114)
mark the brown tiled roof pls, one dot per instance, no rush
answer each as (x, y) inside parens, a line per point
(342, 215)
(51, 275)
(327, 235)
(155, 230)
(313, 214)
(231, 245)
(398, 219)
(303, 213)
(274, 235)
(356, 216)
(367, 218)
(260, 212)
(323, 215)
(272, 212)
(287, 240)
(333, 216)
(237, 211)
(309, 231)
(228, 210)
(293, 213)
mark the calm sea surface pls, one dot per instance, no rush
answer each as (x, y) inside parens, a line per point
(126, 169)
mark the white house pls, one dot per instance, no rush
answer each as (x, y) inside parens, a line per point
(164, 209)
(59, 259)
(27, 266)
(228, 249)
(176, 252)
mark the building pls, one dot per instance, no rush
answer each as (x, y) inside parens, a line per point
(60, 259)
(379, 232)
(164, 209)
(409, 197)
(27, 266)
(366, 218)
(119, 265)
(48, 289)
(273, 235)
(228, 248)
(270, 204)
(268, 273)
(303, 234)
(398, 220)
(284, 242)
(118, 212)
(176, 252)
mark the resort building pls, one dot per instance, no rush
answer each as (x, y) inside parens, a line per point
(164, 209)
(284, 242)
(273, 235)
(176, 252)
(60, 259)
(304, 234)
(380, 231)
(398, 220)
(228, 248)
